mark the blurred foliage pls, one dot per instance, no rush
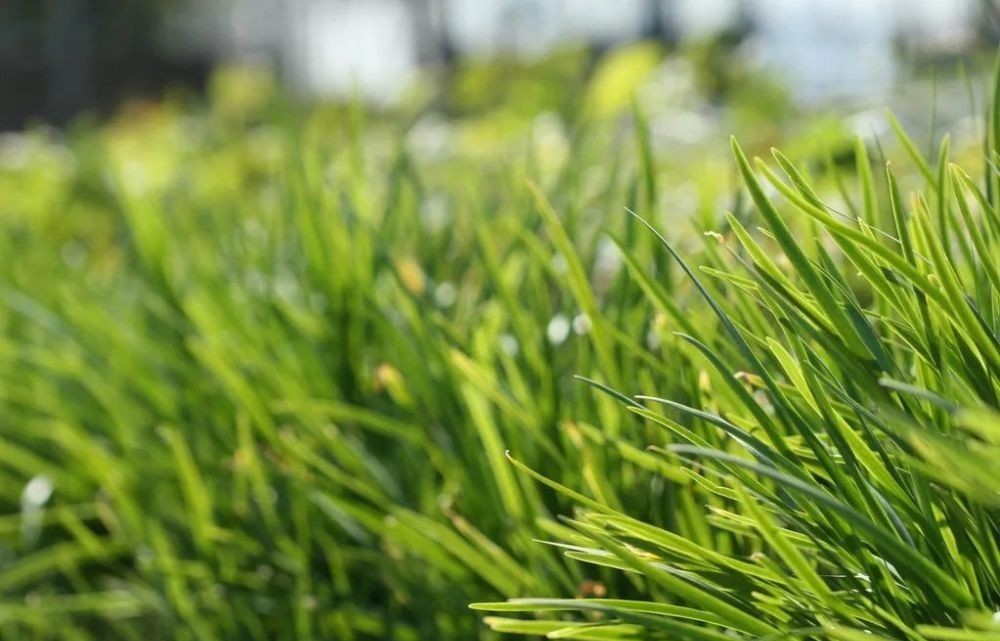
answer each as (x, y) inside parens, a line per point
(617, 77)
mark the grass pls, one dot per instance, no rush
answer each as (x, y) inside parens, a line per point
(260, 369)
(844, 454)
(267, 365)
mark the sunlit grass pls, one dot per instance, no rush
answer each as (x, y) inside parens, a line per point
(260, 370)
(844, 455)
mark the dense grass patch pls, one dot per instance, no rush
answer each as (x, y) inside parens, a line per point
(846, 452)
(260, 370)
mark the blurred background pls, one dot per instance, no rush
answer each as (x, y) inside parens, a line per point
(59, 58)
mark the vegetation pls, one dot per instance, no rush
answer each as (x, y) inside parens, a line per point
(845, 452)
(260, 369)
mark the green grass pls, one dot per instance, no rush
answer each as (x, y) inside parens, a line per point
(848, 482)
(270, 365)
(260, 369)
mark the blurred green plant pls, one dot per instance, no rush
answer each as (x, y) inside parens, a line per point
(265, 364)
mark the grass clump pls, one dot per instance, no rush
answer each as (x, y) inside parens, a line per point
(846, 448)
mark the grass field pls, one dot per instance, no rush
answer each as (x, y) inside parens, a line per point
(269, 374)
